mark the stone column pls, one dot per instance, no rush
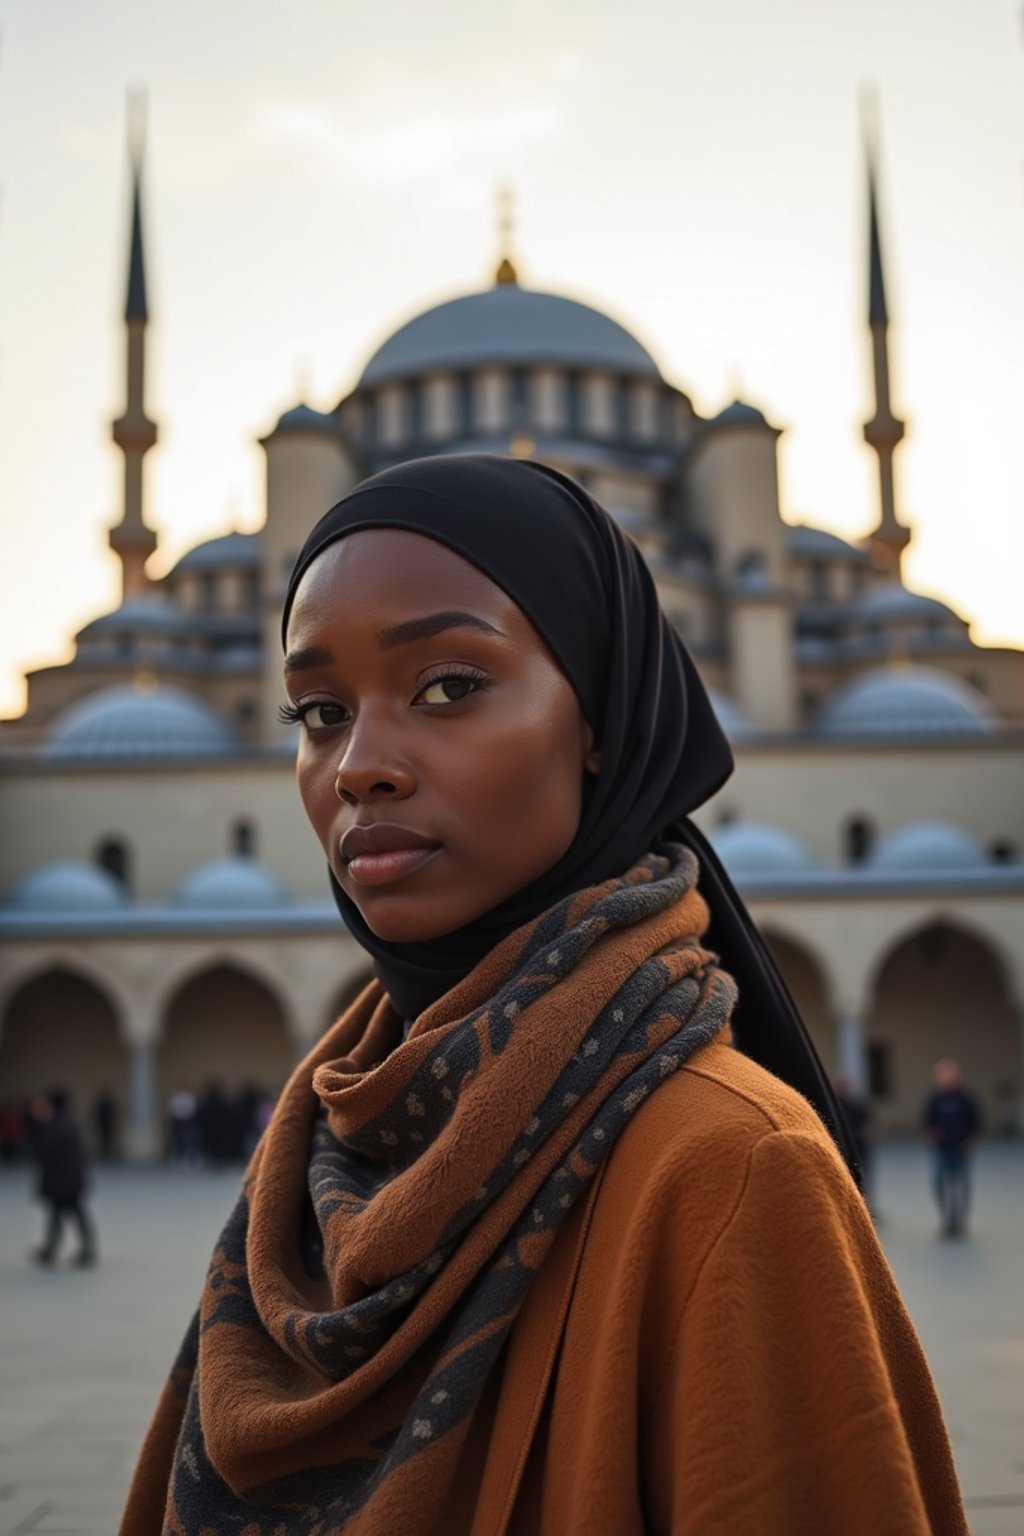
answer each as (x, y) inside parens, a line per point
(142, 1133)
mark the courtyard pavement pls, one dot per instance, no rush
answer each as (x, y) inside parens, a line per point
(83, 1353)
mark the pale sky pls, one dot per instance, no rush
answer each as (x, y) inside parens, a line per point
(320, 171)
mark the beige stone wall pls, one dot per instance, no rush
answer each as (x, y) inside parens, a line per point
(173, 819)
(813, 788)
(760, 661)
(734, 499)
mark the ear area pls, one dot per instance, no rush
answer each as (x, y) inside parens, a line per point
(591, 751)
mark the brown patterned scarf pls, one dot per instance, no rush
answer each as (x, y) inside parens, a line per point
(398, 1208)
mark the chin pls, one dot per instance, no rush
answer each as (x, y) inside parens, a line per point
(397, 927)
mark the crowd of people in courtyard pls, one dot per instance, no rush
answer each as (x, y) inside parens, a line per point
(217, 1129)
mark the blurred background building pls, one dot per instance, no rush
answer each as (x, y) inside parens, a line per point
(164, 918)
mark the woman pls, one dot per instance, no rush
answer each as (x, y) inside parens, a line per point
(529, 1246)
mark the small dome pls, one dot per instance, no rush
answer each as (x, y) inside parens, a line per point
(126, 722)
(740, 414)
(303, 418)
(151, 614)
(508, 325)
(928, 845)
(230, 884)
(909, 701)
(806, 543)
(231, 549)
(753, 849)
(68, 885)
(733, 719)
(893, 601)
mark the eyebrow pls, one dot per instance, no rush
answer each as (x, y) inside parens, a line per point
(397, 634)
(433, 624)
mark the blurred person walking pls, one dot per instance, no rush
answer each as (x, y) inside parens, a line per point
(183, 1127)
(951, 1122)
(59, 1150)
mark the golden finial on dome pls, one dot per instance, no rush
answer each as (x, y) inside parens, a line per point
(506, 200)
(145, 680)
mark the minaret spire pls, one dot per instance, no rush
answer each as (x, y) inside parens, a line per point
(506, 205)
(884, 431)
(133, 431)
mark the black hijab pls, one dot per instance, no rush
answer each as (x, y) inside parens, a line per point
(588, 592)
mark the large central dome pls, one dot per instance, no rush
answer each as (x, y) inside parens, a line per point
(508, 325)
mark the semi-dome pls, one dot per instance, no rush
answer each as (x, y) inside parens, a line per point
(908, 701)
(151, 615)
(128, 722)
(230, 549)
(928, 845)
(806, 543)
(508, 325)
(754, 849)
(66, 885)
(733, 719)
(893, 602)
(229, 884)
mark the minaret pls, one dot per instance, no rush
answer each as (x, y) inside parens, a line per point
(884, 431)
(133, 431)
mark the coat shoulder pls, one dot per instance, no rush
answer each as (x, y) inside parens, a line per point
(720, 1103)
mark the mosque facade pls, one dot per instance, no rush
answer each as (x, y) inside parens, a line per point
(164, 914)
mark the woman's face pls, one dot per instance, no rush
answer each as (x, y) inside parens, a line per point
(442, 751)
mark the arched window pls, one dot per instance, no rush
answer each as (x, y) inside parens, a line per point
(1002, 851)
(858, 839)
(114, 855)
(243, 839)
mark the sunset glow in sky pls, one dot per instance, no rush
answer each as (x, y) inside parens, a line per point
(318, 172)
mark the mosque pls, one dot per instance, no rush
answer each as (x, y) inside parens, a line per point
(164, 914)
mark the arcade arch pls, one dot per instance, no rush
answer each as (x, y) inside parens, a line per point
(223, 1025)
(942, 990)
(806, 979)
(61, 1030)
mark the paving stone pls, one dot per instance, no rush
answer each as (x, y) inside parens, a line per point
(83, 1355)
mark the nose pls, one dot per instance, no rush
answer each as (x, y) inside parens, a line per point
(371, 767)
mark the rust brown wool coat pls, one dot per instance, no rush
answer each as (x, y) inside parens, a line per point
(714, 1346)
(734, 1357)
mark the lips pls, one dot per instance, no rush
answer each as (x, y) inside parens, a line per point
(382, 837)
(383, 853)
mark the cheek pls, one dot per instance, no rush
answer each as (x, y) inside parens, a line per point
(527, 792)
(315, 781)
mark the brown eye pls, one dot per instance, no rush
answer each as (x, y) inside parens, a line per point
(323, 716)
(451, 689)
(448, 690)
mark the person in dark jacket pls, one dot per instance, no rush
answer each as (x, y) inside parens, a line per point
(58, 1149)
(951, 1123)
